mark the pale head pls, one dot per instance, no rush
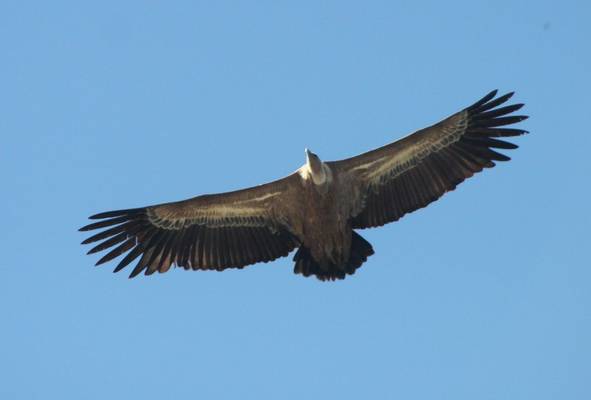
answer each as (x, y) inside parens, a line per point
(315, 168)
(313, 162)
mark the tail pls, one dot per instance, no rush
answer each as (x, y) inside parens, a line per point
(306, 265)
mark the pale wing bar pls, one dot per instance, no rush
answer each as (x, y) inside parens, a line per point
(436, 160)
(188, 236)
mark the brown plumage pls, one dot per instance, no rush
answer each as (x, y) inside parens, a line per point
(316, 208)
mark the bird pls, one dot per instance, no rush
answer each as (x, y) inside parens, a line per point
(318, 209)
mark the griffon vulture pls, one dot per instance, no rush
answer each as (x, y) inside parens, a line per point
(317, 208)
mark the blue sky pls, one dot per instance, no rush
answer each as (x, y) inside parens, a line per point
(484, 294)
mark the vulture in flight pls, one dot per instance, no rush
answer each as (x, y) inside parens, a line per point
(317, 209)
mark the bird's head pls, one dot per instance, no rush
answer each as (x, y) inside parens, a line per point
(316, 168)
(313, 162)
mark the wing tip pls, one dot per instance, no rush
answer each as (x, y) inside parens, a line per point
(117, 213)
(135, 272)
(490, 100)
(87, 228)
(492, 93)
(130, 276)
(508, 95)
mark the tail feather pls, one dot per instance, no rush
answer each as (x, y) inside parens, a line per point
(307, 266)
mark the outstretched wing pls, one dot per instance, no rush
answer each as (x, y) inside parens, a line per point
(219, 231)
(412, 172)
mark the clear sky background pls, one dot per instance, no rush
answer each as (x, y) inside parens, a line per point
(483, 295)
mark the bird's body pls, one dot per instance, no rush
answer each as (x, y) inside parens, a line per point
(326, 230)
(316, 209)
